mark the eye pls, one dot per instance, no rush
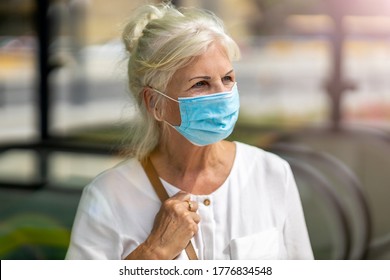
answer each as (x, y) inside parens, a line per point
(199, 84)
(227, 79)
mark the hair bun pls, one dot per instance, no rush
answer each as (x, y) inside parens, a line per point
(134, 27)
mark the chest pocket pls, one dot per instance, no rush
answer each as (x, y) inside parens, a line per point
(263, 245)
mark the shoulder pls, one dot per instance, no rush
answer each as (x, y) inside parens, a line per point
(262, 169)
(127, 180)
(117, 176)
(251, 155)
(121, 190)
(123, 171)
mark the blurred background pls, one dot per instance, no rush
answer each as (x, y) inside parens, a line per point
(314, 89)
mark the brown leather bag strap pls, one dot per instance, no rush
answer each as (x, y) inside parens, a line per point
(163, 195)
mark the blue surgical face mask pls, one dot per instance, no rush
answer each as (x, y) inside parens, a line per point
(209, 118)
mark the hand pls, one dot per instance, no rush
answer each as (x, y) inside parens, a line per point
(174, 226)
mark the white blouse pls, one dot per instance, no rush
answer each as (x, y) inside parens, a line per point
(255, 214)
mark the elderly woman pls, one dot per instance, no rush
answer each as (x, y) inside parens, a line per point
(224, 200)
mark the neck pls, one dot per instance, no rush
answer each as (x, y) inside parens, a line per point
(193, 169)
(186, 158)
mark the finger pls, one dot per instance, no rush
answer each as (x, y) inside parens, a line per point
(195, 217)
(192, 206)
(183, 196)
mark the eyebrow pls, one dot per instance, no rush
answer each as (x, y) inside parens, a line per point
(207, 77)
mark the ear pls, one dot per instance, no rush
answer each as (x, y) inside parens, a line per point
(149, 98)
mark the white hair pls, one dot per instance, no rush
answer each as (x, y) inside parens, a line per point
(161, 40)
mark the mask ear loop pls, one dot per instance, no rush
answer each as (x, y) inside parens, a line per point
(153, 104)
(159, 118)
(163, 94)
(156, 113)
